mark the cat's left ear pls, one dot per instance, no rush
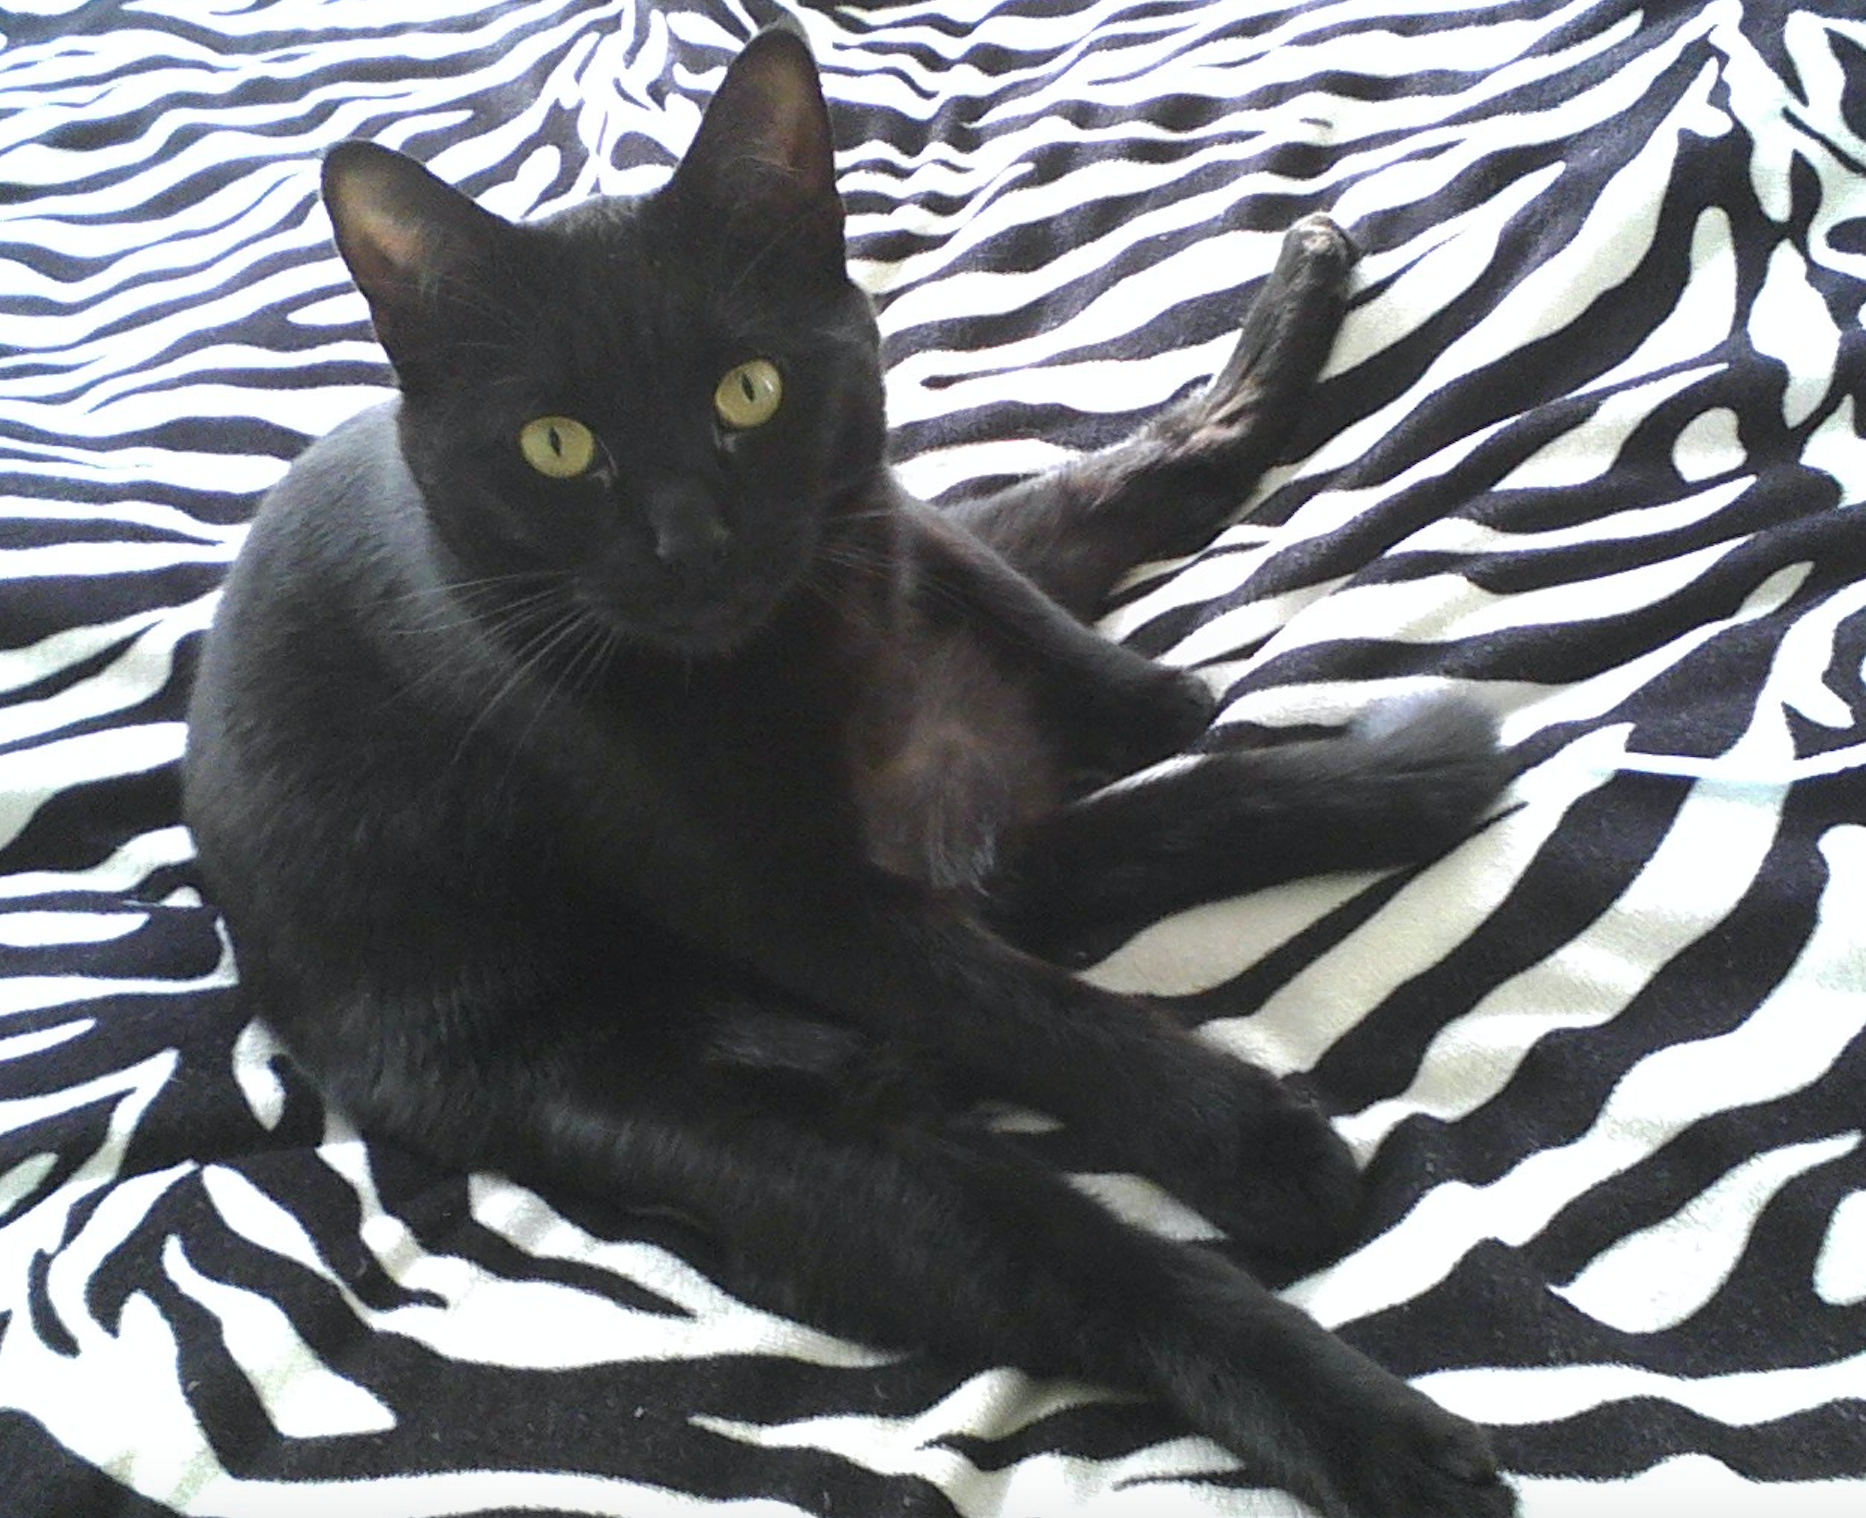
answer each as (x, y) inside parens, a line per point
(763, 162)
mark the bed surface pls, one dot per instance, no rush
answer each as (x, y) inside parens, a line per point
(1588, 449)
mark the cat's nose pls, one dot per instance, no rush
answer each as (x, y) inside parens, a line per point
(690, 536)
(693, 547)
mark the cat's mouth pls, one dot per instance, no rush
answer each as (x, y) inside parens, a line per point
(705, 606)
(709, 623)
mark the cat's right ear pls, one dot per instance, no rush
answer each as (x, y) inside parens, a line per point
(410, 241)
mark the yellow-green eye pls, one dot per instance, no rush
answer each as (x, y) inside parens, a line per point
(559, 446)
(749, 394)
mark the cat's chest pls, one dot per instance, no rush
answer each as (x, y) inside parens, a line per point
(943, 753)
(887, 746)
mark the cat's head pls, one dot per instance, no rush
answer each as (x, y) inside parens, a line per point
(660, 400)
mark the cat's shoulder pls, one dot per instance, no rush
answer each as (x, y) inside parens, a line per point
(350, 489)
(344, 523)
(361, 459)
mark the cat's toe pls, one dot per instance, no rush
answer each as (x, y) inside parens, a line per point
(1317, 239)
(1421, 1461)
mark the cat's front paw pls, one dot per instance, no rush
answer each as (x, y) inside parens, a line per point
(1149, 712)
(1167, 712)
(1310, 1413)
(1401, 1455)
(1290, 1198)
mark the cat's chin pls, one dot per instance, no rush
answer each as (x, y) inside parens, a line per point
(694, 643)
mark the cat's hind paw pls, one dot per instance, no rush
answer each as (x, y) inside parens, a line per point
(1438, 763)
(1290, 326)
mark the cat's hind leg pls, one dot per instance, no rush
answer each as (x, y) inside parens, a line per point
(914, 1233)
(1071, 533)
(1077, 529)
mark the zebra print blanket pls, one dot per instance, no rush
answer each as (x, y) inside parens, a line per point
(1589, 447)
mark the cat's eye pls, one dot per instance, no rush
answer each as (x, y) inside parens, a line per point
(749, 394)
(559, 446)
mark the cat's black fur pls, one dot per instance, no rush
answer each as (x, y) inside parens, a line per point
(681, 833)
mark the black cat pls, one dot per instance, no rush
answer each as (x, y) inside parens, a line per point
(612, 777)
